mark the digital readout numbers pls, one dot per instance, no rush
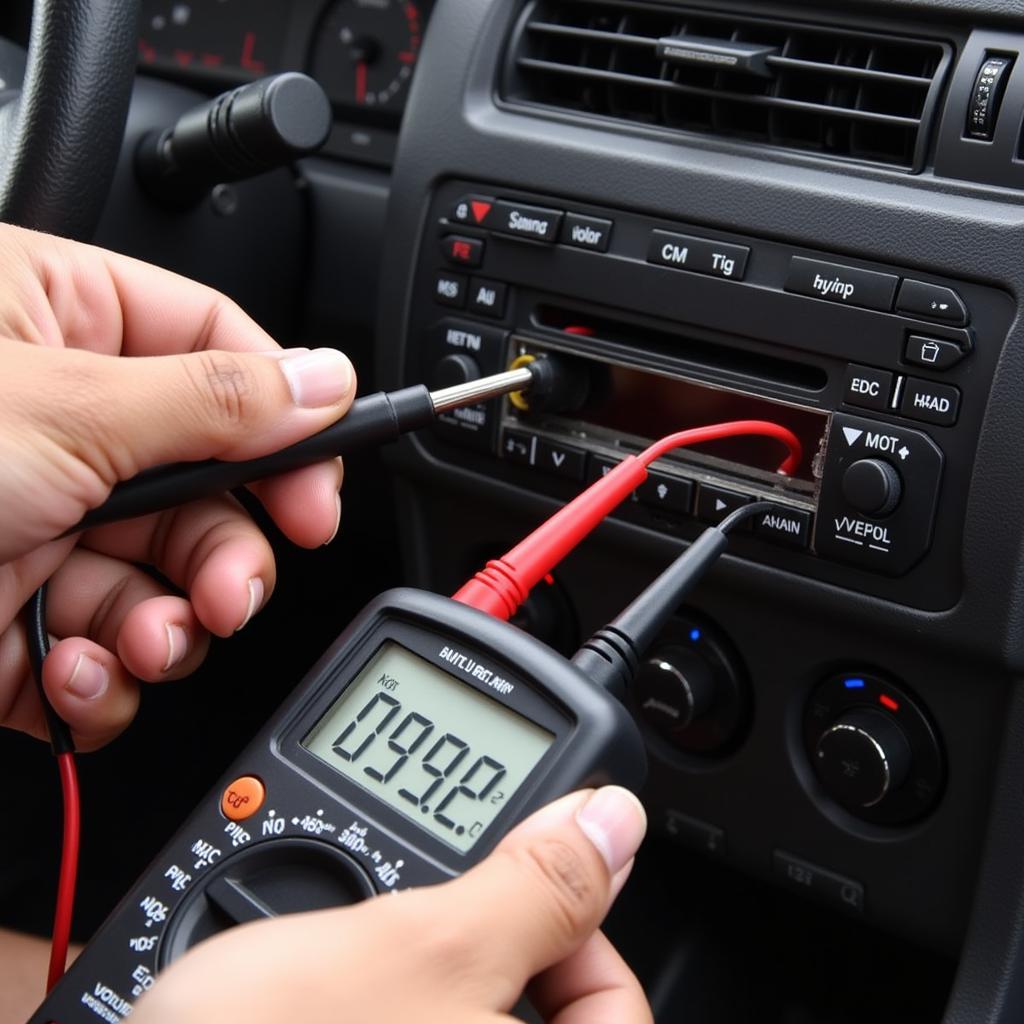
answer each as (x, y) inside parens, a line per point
(442, 758)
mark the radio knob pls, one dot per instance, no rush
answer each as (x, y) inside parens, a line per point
(872, 486)
(862, 757)
(674, 688)
(454, 369)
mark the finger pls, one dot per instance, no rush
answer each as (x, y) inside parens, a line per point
(305, 504)
(91, 690)
(116, 416)
(163, 312)
(87, 685)
(548, 883)
(210, 549)
(594, 985)
(157, 635)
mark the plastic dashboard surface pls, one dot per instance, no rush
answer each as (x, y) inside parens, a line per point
(963, 662)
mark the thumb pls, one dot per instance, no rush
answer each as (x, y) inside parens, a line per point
(543, 891)
(122, 415)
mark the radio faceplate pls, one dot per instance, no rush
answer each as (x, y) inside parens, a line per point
(890, 367)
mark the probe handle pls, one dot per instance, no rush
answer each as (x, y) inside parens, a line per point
(371, 421)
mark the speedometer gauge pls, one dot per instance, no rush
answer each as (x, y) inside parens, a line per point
(366, 50)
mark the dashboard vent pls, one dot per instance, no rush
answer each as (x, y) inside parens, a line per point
(843, 94)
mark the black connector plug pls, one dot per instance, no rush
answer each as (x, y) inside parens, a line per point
(561, 383)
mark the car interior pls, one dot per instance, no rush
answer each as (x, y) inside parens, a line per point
(806, 213)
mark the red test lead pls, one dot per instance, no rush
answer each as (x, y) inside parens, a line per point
(505, 583)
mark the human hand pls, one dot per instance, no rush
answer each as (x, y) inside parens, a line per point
(457, 953)
(204, 381)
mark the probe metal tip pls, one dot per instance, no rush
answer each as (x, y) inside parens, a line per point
(481, 389)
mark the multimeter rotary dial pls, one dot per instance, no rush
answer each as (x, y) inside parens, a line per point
(279, 876)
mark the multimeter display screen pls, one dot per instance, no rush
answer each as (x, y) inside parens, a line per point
(432, 748)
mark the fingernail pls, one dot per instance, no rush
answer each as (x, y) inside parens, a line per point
(88, 678)
(619, 879)
(337, 521)
(318, 378)
(177, 645)
(256, 592)
(614, 821)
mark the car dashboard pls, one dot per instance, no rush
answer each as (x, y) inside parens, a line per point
(798, 212)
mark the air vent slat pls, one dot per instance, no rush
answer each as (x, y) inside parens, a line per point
(868, 74)
(845, 94)
(777, 102)
(594, 34)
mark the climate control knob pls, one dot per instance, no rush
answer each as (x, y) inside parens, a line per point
(692, 690)
(862, 758)
(872, 486)
(677, 687)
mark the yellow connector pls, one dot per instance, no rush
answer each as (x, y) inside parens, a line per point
(518, 398)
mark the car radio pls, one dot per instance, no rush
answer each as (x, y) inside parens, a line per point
(883, 372)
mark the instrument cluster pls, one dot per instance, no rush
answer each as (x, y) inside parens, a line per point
(363, 52)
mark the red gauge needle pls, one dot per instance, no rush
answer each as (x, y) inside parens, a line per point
(361, 82)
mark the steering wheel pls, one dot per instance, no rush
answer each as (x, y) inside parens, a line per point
(61, 135)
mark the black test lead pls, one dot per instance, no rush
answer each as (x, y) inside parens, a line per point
(372, 420)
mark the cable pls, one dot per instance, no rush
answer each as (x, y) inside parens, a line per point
(63, 749)
(761, 428)
(504, 583)
(38, 649)
(68, 877)
(611, 656)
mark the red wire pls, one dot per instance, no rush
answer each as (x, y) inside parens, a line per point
(68, 870)
(504, 583)
(760, 428)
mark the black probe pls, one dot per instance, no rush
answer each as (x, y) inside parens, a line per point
(611, 656)
(371, 421)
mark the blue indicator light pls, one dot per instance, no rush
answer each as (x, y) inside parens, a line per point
(854, 684)
(694, 635)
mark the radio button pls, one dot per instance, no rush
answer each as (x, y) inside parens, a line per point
(597, 467)
(473, 210)
(782, 525)
(450, 290)
(700, 255)
(867, 387)
(715, 503)
(666, 492)
(519, 446)
(933, 403)
(932, 301)
(561, 460)
(834, 282)
(586, 232)
(487, 297)
(522, 221)
(485, 344)
(467, 252)
(933, 353)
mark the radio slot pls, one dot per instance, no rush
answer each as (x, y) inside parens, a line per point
(628, 406)
(722, 359)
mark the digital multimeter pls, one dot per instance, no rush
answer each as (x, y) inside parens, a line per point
(419, 739)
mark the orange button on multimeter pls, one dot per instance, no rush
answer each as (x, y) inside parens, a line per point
(243, 798)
